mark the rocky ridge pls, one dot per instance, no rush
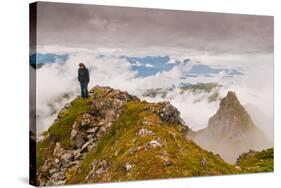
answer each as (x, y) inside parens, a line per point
(113, 136)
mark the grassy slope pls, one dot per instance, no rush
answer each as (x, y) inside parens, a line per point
(257, 162)
(119, 144)
(60, 130)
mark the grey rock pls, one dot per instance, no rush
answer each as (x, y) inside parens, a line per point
(168, 163)
(144, 132)
(66, 156)
(58, 151)
(78, 141)
(128, 167)
(154, 143)
(100, 171)
(73, 133)
(85, 146)
(104, 163)
(92, 130)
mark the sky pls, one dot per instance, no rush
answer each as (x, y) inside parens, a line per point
(80, 26)
(136, 49)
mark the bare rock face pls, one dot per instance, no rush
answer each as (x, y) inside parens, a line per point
(230, 131)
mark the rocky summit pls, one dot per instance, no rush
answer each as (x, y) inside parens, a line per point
(230, 131)
(114, 136)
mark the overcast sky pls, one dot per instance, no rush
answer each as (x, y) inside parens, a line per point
(75, 25)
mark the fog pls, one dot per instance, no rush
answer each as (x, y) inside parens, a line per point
(57, 83)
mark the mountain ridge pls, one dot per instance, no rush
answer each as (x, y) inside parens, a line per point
(114, 136)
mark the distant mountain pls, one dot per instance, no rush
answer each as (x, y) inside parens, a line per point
(210, 89)
(37, 60)
(231, 131)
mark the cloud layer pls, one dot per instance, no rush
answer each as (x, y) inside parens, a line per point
(57, 82)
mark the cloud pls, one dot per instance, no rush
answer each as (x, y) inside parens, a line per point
(83, 26)
(60, 79)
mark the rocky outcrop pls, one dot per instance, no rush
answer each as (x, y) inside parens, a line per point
(114, 136)
(230, 131)
(104, 106)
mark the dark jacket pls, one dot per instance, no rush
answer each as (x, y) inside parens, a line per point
(83, 75)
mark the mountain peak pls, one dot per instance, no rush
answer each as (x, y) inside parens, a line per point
(230, 100)
(231, 110)
(233, 128)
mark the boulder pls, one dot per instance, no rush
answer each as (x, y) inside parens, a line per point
(127, 167)
(77, 142)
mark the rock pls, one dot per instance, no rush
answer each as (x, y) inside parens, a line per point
(67, 106)
(104, 163)
(61, 182)
(167, 112)
(92, 130)
(147, 123)
(85, 146)
(127, 167)
(109, 118)
(102, 130)
(66, 156)
(73, 133)
(93, 164)
(58, 151)
(101, 123)
(144, 132)
(57, 161)
(203, 162)
(238, 168)
(91, 146)
(154, 143)
(77, 155)
(77, 142)
(86, 119)
(168, 163)
(100, 171)
(75, 125)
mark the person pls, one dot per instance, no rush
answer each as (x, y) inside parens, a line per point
(83, 78)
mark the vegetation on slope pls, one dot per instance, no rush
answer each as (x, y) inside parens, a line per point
(173, 157)
(125, 139)
(257, 161)
(60, 129)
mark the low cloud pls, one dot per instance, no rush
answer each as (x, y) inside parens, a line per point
(57, 83)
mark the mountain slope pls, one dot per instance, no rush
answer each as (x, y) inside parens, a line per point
(231, 131)
(254, 161)
(113, 136)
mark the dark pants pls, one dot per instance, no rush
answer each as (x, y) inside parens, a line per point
(84, 89)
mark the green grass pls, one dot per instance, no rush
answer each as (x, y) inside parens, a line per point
(257, 162)
(60, 130)
(44, 149)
